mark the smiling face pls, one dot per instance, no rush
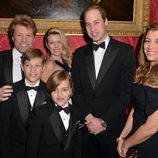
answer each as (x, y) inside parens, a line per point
(33, 70)
(23, 38)
(54, 44)
(151, 47)
(95, 25)
(62, 93)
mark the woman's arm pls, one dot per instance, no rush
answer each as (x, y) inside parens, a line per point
(127, 128)
(144, 132)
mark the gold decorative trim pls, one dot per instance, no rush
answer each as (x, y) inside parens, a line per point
(116, 28)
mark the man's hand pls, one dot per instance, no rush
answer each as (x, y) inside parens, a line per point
(5, 92)
(93, 124)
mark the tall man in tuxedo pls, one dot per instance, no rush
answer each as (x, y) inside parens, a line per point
(102, 74)
(22, 30)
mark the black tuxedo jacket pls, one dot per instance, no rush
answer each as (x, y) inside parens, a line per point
(6, 67)
(15, 118)
(107, 96)
(45, 134)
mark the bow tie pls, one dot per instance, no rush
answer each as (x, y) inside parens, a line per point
(31, 88)
(96, 46)
(66, 109)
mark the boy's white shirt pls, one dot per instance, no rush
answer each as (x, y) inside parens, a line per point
(32, 93)
(64, 116)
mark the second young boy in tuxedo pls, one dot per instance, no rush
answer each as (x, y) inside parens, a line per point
(56, 130)
(16, 113)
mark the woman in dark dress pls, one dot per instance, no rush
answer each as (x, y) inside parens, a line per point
(141, 129)
(58, 51)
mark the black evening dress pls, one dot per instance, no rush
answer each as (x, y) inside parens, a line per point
(146, 103)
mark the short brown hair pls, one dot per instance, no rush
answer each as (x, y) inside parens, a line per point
(22, 19)
(33, 53)
(97, 7)
(56, 78)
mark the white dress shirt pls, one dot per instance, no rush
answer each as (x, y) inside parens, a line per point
(32, 93)
(64, 116)
(17, 73)
(98, 56)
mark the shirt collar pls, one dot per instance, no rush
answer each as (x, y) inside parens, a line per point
(64, 106)
(16, 54)
(27, 84)
(107, 39)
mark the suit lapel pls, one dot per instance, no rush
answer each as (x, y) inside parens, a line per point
(54, 120)
(109, 56)
(23, 104)
(8, 65)
(72, 127)
(41, 95)
(89, 60)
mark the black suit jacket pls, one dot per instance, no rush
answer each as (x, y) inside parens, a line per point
(15, 118)
(45, 134)
(6, 67)
(107, 96)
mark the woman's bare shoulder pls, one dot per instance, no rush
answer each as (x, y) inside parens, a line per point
(49, 63)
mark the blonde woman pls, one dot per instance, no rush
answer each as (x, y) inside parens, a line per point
(58, 51)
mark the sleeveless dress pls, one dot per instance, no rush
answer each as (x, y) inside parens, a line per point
(146, 103)
(63, 65)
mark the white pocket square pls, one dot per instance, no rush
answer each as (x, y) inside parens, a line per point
(44, 103)
(79, 125)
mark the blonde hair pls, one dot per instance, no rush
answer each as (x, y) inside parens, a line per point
(66, 53)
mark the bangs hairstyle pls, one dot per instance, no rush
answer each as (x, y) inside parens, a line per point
(66, 53)
(96, 7)
(31, 54)
(24, 20)
(56, 78)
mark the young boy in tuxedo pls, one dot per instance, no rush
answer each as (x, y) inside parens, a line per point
(56, 129)
(16, 113)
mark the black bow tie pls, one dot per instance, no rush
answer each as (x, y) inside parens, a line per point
(96, 46)
(30, 88)
(66, 109)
